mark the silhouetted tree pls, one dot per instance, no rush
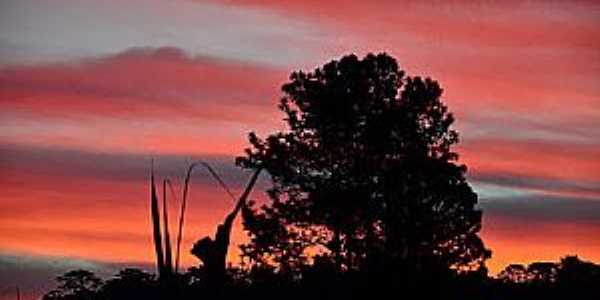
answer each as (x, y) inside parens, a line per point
(76, 285)
(365, 173)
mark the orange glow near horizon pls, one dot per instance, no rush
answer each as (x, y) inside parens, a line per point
(61, 224)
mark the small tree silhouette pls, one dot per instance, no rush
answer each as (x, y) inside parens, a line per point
(364, 174)
(76, 285)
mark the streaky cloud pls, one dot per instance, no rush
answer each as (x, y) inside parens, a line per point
(36, 32)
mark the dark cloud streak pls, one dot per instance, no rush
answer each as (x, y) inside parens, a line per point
(542, 208)
(115, 167)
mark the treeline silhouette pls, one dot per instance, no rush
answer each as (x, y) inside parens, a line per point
(571, 278)
(368, 199)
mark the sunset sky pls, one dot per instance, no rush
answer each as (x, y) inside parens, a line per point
(91, 90)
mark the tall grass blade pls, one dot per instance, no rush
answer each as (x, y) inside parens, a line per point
(156, 226)
(182, 214)
(168, 255)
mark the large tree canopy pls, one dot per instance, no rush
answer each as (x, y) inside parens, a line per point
(364, 176)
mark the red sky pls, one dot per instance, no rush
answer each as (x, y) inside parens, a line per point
(90, 90)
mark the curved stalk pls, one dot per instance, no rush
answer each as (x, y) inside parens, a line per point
(184, 202)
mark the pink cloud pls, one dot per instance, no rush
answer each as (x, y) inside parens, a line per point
(141, 83)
